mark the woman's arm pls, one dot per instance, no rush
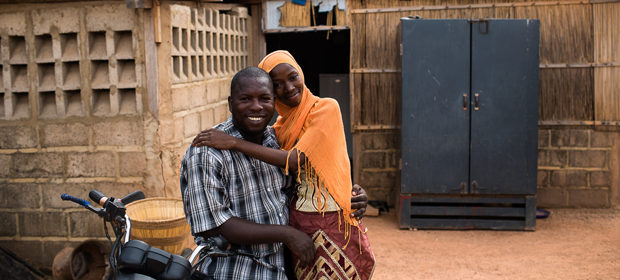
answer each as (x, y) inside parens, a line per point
(220, 140)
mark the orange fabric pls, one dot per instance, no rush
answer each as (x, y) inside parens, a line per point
(322, 141)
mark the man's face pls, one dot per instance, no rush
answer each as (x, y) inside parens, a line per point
(252, 105)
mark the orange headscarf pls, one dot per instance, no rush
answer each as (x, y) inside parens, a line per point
(323, 140)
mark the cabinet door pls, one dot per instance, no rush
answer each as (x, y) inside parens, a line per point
(504, 131)
(336, 86)
(435, 128)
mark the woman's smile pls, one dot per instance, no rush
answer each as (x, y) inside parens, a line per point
(287, 84)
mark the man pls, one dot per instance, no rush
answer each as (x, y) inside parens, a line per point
(241, 198)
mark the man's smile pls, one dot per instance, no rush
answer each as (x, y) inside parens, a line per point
(256, 119)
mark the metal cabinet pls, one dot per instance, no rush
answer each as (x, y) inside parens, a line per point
(469, 123)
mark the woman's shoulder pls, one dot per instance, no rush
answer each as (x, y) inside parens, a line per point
(327, 104)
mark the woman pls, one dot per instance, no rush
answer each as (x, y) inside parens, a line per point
(311, 136)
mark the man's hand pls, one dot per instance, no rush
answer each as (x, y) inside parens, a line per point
(359, 201)
(243, 232)
(302, 245)
(214, 138)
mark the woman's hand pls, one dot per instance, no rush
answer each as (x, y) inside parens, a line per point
(359, 201)
(215, 138)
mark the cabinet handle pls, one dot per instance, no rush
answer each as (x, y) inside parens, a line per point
(462, 188)
(476, 106)
(464, 101)
(474, 184)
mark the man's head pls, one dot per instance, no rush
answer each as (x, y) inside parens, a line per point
(251, 102)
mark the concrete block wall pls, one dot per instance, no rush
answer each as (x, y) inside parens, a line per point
(72, 120)
(207, 48)
(577, 168)
(378, 165)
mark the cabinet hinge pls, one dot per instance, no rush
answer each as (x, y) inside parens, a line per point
(401, 49)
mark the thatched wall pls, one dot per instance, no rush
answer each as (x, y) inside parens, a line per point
(571, 33)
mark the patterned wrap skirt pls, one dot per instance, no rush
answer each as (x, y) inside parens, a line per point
(356, 261)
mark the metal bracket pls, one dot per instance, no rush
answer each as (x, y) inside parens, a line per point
(480, 26)
(474, 185)
(462, 188)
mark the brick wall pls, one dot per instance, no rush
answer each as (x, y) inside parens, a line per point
(576, 168)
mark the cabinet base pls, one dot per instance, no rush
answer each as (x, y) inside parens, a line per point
(467, 212)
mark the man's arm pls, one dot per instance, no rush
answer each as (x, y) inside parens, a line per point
(244, 232)
(207, 208)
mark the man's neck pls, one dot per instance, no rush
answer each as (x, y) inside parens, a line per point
(256, 139)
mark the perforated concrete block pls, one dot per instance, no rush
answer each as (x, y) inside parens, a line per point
(179, 15)
(63, 20)
(37, 165)
(109, 16)
(100, 164)
(13, 24)
(122, 133)
(71, 134)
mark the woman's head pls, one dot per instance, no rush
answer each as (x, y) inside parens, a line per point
(287, 84)
(288, 79)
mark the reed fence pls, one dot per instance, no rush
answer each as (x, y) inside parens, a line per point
(579, 55)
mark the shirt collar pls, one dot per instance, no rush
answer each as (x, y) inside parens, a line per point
(269, 135)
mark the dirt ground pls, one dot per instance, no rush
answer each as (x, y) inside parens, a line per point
(569, 244)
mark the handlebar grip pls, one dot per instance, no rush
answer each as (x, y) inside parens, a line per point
(220, 242)
(96, 196)
(134, 196)
(79, 201)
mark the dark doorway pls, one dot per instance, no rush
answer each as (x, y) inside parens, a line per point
(325, 62)
(315, 53)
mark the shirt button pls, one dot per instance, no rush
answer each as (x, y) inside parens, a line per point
(268, 189)
(280, 214)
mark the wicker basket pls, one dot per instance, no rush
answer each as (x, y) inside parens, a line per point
(160, 222)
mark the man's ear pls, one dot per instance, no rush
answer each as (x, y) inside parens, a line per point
(230, 104)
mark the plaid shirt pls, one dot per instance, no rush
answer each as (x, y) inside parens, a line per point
(219, 184)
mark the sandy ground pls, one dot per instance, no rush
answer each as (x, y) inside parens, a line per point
(570, 244)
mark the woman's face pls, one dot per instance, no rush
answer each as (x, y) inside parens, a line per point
(287, 84)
